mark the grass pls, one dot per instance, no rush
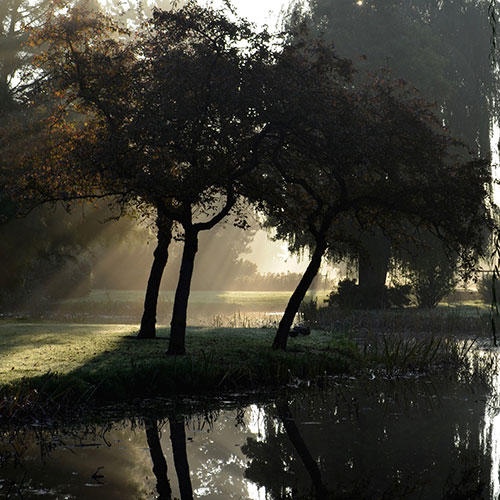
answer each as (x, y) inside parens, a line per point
(83, 363)
(395, 354)
(50, 365)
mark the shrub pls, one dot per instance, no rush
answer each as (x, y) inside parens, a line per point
(349, 295)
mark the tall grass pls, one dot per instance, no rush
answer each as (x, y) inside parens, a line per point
(442, 320)
(396, 354)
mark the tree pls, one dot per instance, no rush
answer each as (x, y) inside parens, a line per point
(160, 258)
(167, 123)
(431, 270)
(47, 241)
(442, 48)
(373, 154)
(15, 17)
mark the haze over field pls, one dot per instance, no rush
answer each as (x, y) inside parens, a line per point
(237, 256)
(62, 254)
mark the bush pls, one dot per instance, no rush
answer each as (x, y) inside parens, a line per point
(399, 295)
(431, 270)
(349, 295)
(431, 284)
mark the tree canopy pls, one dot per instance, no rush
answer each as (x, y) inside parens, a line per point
(165, 122)
(371, 153)
(197, 111)
(440, 48)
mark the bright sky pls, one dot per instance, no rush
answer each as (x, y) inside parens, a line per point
(258, 11)
(261, 11)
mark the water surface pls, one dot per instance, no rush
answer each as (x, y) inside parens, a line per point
(417, 437)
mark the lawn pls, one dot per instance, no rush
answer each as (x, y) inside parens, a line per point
(107, 362)
(253, 300)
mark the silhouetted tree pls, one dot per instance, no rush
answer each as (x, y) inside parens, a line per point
(443, 49)
(374, 154)
(166, 123)
(160, 258)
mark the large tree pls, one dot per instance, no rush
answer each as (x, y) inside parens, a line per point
(441, 48)
(167, 122)
(364, 153)
(46, 240)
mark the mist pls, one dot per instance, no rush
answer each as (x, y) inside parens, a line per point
(61, 256)
(237, 256)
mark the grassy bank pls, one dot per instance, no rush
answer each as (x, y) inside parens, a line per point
(106, 362)
(457, 320)
(47, 366)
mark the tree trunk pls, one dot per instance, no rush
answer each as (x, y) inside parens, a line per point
(178, 438)
(178, 324)
(160, 258)
(298, 295)
(372, 271)
(303, 451)
(160, 469)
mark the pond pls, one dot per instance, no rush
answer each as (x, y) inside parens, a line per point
(433, 437)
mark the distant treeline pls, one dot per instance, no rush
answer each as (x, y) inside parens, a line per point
(275, 282)
(270, 282)
(210, 274)
(114, 256)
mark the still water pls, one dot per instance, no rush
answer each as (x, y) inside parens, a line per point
(434, 437)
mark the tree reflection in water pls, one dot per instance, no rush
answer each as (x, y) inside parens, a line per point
(178, 438)
(301, 448)
(394, 439)
(179, 452)
(160, 469)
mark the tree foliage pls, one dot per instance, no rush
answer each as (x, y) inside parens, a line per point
(368, 154)
(440, 48)
(165, 122)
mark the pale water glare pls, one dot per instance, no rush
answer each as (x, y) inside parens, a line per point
(490, 437)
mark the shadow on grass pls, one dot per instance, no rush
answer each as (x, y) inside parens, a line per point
(225, 359)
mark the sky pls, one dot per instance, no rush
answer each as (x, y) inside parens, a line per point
(258, 11)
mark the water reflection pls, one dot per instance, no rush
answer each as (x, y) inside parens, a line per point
(178, 437)
(160, 468)
(301, 448)
(491, 434)
(414, 438)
